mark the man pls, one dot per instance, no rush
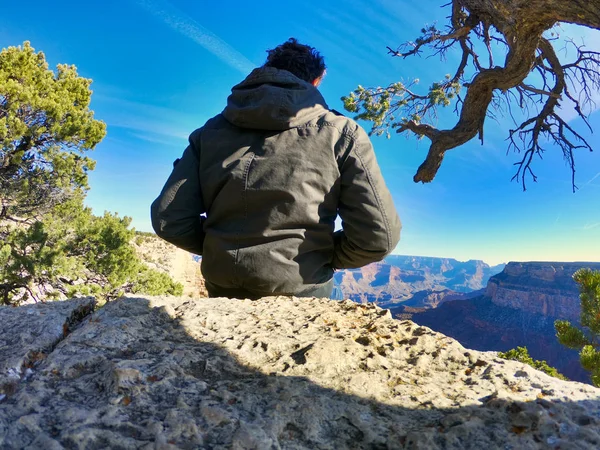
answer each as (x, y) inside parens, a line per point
(258, 189)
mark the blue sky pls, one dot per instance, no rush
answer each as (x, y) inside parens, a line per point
(161, 69)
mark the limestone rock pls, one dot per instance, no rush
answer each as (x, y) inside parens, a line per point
(29, 333)
(284, 373)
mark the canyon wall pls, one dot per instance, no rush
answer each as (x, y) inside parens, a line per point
(545, 288)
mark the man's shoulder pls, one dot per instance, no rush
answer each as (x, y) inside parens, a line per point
(218, 121)
(345, 124)
(215, 122)
(337, 113)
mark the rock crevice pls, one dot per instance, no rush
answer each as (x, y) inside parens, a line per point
(30, 333)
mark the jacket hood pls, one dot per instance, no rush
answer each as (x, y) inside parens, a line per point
(273, 99)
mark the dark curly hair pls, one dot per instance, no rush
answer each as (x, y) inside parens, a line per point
(302, 60)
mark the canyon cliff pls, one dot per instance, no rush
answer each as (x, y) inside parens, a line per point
(399, 279)
(519, 308)
(545, 288)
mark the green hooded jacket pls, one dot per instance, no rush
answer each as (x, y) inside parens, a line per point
(259, 187)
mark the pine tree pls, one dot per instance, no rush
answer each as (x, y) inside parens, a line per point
(46, 129)
(587, 338)
(51, 245)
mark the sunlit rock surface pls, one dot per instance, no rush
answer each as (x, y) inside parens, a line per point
(182, 266)
(276, 373)
(29, 334)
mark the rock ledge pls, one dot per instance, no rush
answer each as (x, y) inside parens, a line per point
(277, 373)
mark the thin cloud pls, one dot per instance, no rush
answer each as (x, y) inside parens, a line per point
(592, 179)
(151, 123)
(185, 25)
(177, 142)
(408, 13)
(591, 226)
(589, 182)
(150, 130)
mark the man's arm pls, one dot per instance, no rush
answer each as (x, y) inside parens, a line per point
(371, 227)
(176, 212)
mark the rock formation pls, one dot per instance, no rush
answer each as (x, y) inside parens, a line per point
(276, 373)
(430, 299)
(399, 278)
(519, 308)
(541, 288)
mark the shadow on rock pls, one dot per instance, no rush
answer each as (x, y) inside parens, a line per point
(282, 373)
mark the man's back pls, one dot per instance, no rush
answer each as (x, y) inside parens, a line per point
(271, 173)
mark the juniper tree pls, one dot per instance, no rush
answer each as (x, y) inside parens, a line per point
(508, 62)
(70, 251)
(46, 129)
(587, 338)
(51, 245)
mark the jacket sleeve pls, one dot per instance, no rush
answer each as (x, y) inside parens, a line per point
(176, 212)
(370, 223)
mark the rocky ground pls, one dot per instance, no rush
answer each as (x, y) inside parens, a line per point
(276, 373)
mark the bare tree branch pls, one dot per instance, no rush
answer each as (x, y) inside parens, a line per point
(519, 27)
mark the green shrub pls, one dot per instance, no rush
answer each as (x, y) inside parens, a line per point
(521, 354)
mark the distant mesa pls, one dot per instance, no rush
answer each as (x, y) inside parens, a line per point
(545, 288)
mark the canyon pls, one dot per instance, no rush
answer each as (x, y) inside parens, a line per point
(518, 308)
(414, 280)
